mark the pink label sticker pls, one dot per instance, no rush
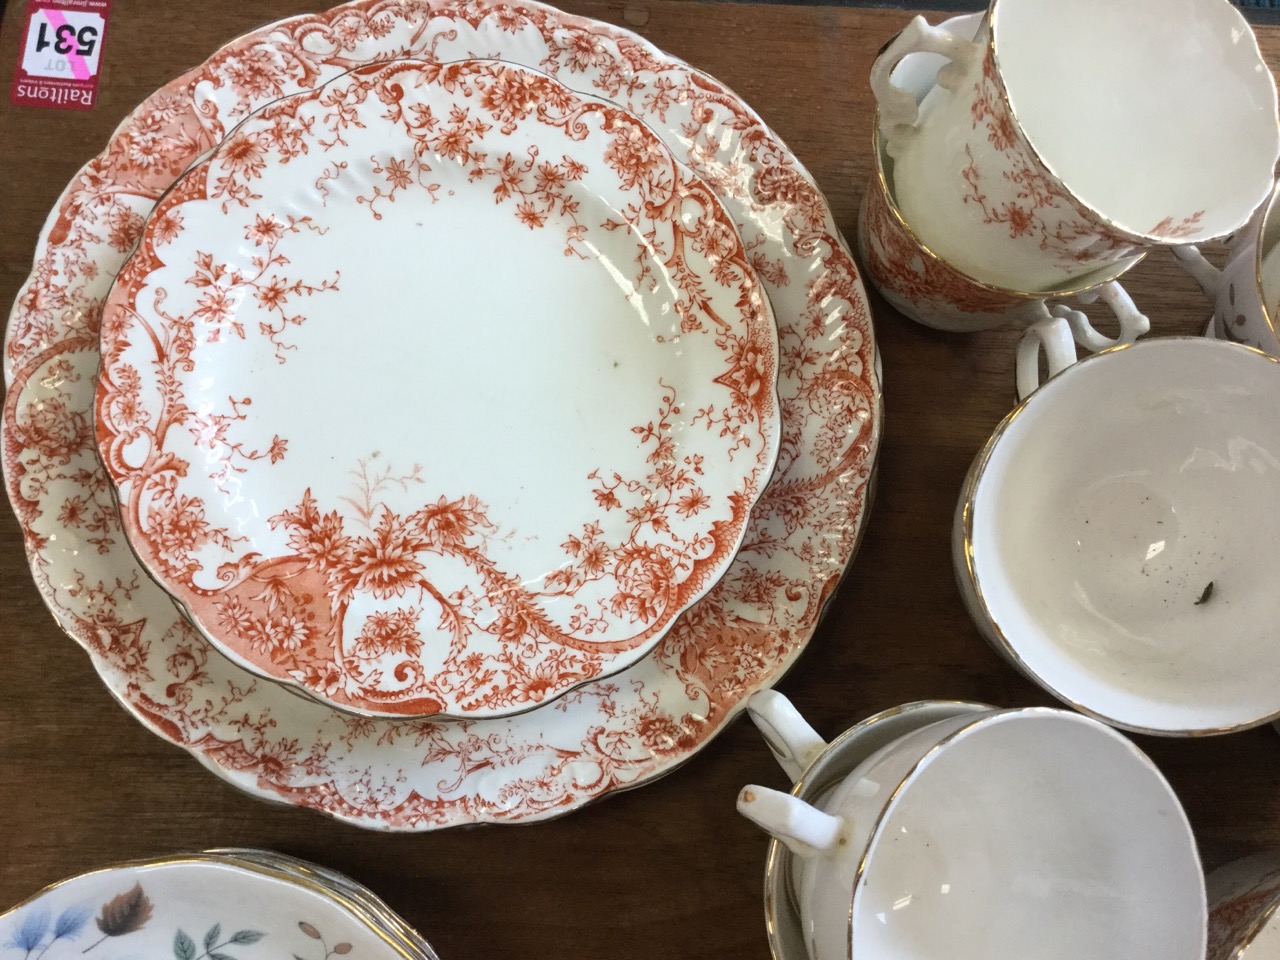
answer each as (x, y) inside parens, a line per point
(61, 51)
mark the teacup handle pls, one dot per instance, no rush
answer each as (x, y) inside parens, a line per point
(1133, 322)
(1063, 328)
(897, 106)
(792, 741)
(1055, 337)
(1204, 273)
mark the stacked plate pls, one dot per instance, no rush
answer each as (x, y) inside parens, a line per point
(497, 425)
(221, 905)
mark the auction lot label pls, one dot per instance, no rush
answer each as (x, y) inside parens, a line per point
(61, 50)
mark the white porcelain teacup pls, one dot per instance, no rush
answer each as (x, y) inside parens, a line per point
(1246, 292)
(1116, 537)
(1068, 135)
(999, 833)
(925, 287)
(1244, 909)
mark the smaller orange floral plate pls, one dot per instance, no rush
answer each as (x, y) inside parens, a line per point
(438, 390)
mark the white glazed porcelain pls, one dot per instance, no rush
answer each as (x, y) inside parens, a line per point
(925, 287)
(356, 897)
(414, 775)
(783, 924)
(1244, 909)
(197, 906)
(443, 407)
(1070, 134)
(1006, 833)
(1246, 292)
(1114, 537)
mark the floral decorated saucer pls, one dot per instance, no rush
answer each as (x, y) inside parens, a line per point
(440, 389)
(197, 907)
(358, 898)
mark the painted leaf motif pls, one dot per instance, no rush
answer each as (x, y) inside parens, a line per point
(342, 948)
(309, 930)
(70, 922)
(32, 931)
(220, 956)
(246, 936)
(184, 948)
(211, 937)
(125, 913)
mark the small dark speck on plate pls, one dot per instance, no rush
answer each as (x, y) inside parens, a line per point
(1206, 593)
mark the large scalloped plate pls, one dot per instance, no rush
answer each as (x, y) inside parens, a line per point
(321, 498)
(417, 774)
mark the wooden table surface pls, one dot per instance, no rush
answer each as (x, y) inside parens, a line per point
(669, 870)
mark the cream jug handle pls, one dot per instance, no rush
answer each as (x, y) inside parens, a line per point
(792, 741)
(897, 106)
(804, 829)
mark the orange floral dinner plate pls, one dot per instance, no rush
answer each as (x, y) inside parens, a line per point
(440, 389)
(425, 774)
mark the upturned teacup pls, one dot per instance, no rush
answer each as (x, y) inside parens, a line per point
(926, 288)
(1115, 539)
(1068, 136)
(993, 834)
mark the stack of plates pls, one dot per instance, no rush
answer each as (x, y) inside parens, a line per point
(497, 426)
(221, 905)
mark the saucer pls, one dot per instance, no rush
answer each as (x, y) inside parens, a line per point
(193, 906)
(356, 897)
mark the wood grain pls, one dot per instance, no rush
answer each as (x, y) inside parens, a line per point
(669, 870)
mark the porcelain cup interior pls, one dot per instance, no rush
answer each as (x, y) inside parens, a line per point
(1069, 135)
(831, 766)
(960, 301)
(993, 835)
(1102, 92)
(1116, 537)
